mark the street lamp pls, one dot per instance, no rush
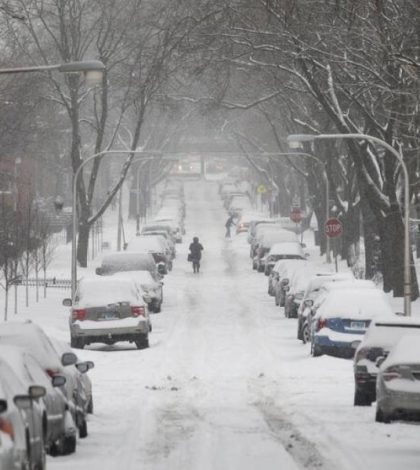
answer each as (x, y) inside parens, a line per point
(74, 205)
(327, 187)
(295, 139)
(93, 69)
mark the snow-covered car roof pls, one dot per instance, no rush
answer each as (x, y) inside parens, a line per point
(104, 290)
(384, 331)
(147, 244)
(303, 275)
(127, 261)
(142, 278)
(287, 248)
(404, 352)
(355, 303)
(318, 280)
(33, 338)
(288, 265)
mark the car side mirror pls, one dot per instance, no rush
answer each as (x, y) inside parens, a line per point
(90, 364)
(379, 361)
(58, 380)
(68, 359)
(147, 298)
(308, 303)
(37, 391)
(82, 367)
(161, 269)
(23, 402)
(99, 271)
(3, 406)
(67, 302)
(284, 282)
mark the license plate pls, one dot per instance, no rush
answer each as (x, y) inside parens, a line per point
(108, 316)
(357, 325)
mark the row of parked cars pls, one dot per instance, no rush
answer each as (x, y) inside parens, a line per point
(115, 304)
(45, 397)
(341, 316)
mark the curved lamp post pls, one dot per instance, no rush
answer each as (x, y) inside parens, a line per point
(295, 139)
(77, 173)
(93, 69)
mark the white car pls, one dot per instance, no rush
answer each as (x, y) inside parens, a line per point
(382, 334)
(152, 289)
(106, 310)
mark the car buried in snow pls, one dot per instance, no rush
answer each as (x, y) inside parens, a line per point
(343, 318)
(398, 382)
(107, 310)
(382, 334)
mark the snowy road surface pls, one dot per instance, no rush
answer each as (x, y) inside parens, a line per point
(225, 384)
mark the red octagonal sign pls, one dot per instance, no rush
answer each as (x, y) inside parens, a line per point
(296, 215)
(333, 228)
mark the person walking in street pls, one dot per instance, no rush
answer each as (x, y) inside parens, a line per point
(195, 254)
(229, 224)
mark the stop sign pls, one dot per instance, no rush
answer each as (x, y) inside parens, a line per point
(296, 215)
(333, 228)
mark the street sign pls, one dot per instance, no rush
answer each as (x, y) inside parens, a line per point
(296, 215)
(261, 189)
(333, 228)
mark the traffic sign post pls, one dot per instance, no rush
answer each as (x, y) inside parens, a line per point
(333, 228)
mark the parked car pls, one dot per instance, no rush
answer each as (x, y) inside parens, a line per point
(132, 261)
(176, 226)
(108, 310)
(312, 291)
(164, 234)
(398, 382)
(80, 379)
(298, 283)
(32, 338)
(253, 224)
(260, 230)
(152, 245)
(159, 228)
(153, 289)
(270, 238)
(343, 318)
(282, 250)
(382, 334)
(285, 269)
(22, 433)
(59, 427)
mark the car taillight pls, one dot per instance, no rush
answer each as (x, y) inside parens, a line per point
(78, 313)
(6, 427)
(138, 311)
(51, 372)
(321, 324)
(391, 373)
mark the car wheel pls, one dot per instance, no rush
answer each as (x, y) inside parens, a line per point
(299, 330)
(361, 398)
(157, 306)
(142, 341)
(305, 334)
(316, 350)
(41, 464)
(254, 266)
(286, 310)
(77, 343)
(83, 432)
(68, 445)
(276, 300)
(260, 268)
(381, 417)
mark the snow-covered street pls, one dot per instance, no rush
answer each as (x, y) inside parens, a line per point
(225, 383)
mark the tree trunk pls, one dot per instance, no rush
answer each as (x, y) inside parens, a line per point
(83, 244)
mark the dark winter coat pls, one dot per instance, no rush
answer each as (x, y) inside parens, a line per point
(195, 249)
